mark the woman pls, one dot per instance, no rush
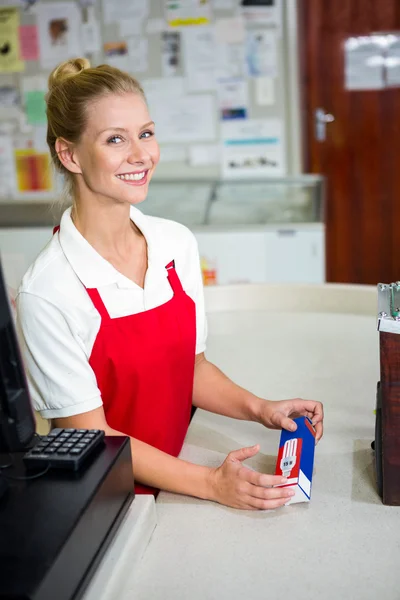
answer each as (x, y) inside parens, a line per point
(111, 313)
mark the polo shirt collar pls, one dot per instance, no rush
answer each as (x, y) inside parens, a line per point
(90, 267)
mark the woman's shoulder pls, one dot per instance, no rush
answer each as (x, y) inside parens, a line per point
(50, 275)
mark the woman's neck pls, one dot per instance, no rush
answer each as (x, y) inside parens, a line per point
(108, 228)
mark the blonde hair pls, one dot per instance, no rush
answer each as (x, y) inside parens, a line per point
(73, 85)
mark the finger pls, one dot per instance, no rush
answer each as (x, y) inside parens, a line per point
(316, 409)
(319, 430)
(287, 423)
(262, 479)
(243, 453)
(258, 503)
(256, 491)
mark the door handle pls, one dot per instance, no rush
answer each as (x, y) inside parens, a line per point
(321, 118)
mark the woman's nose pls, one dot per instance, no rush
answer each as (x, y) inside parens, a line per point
(137, 154)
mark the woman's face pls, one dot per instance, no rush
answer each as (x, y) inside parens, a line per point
(118, 151)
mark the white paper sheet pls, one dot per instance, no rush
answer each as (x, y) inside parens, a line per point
(119, 10)
(268, 13)
(130, 26)
(204, 154)
(164, 87)
(9, 97)
(183, 118)
(364, 63)
(393, 64)
(91, 40)
(233, 98)
(230, 31)
(138, 54)
(39, 135)
(171, 56)
(8, 182)
(199, 55)
(229, 60)
(264, 91)
(59, 32)
(261, 54)
(253, 148)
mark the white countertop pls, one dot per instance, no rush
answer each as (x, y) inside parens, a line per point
(344, 544)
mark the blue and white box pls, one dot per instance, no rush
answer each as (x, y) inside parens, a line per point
(296, 459)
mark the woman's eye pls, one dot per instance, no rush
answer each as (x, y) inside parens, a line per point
(115, 139)
(147, 134)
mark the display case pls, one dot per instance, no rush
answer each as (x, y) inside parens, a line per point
(248, 231)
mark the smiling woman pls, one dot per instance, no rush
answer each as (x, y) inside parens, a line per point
(111, 314)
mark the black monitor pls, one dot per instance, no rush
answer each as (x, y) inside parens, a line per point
(17, 421)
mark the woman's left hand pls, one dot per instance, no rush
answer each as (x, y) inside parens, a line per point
(279, 414)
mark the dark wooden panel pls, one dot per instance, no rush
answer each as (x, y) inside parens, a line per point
(360, 155)
(390, 397)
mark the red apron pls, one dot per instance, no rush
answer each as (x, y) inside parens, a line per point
(144, 366)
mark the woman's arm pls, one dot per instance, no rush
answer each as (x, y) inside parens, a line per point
(215, 392)
(231, 484)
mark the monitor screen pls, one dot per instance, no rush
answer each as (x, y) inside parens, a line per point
(17, 421)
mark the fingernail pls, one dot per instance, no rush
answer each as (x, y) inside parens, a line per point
(291, 493)
(284, 480)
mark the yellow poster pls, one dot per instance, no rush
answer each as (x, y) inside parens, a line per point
(33, 171)
(181, 13)
(9, 41)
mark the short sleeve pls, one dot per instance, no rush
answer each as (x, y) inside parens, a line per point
(61, 380)
(193, 283)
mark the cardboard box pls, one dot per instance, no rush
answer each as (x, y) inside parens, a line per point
(296, 459)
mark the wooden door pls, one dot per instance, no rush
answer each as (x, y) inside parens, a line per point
(360, 156)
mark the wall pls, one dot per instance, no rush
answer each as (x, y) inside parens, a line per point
(285, 105)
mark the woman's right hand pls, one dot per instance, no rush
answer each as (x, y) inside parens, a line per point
(235, 485)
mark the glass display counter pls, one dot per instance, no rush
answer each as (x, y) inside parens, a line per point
(247, 230)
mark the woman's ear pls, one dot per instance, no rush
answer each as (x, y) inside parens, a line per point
(67, 156)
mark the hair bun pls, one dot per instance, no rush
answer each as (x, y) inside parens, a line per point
(67, 69)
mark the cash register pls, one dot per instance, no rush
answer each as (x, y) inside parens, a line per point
(62, 496)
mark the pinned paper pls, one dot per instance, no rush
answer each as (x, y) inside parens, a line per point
(170, 52)
(116, 54)
(29, 45)
(59, 26)
(128, 27)
(261, 53)
(199, 43)
(9, 97)
(230, 31)
(182, 13)
(7, 166)
(34, 90)
(119, 10)
(264, 91)
(10, 53)
(91, 41)
(33, 171)
(138, 54)
(233, 98)
(253, 147)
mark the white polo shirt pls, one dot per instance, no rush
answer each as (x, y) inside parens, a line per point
(58, 323)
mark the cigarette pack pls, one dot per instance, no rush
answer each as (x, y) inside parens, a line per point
(296, 459)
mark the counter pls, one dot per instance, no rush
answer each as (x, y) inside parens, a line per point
(282, 341)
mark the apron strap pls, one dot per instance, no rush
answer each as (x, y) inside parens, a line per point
(173, 278)
(98, 303)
